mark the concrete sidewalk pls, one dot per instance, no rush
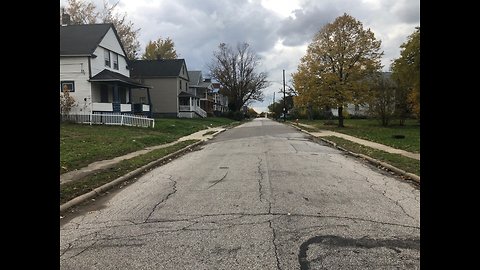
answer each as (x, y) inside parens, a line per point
(105, 164)
(371, 144)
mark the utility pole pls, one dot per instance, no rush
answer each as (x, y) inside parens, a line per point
(284, 106)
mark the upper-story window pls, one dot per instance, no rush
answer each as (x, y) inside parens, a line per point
(67, 86)
(107, 58)
(115, 61)
(181, 85)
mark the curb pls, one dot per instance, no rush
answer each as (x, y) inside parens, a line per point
(97, 191)
(408, 175)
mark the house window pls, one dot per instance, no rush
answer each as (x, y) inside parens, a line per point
(115, 61)
(180, 84)
(107, 58)
(67, 85)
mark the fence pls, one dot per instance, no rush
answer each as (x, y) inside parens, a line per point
(110, 119)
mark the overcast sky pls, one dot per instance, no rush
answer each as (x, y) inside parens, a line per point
(279, 31)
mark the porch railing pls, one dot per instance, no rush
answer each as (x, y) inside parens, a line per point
(201, 112)
(198, 110)
(111, 119)
(108, 107)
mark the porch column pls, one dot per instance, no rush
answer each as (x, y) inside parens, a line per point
(190, 102)
(130, 99)
(149, 103)
(116, 99)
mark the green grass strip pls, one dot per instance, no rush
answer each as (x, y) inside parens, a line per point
(81, 186)
(405, 163)
(371, 130)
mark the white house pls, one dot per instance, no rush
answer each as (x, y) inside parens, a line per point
(95, 69)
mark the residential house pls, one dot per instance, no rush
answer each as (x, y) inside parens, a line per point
(95, 69)
(220, 101)
(202, 88)
(170, 92)
(211, 100)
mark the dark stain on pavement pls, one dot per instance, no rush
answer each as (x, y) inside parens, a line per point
(362, 243)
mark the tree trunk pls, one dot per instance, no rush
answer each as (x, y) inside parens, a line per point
(340, 116)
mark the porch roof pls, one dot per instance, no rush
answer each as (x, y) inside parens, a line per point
(107, 76)
(185, 94)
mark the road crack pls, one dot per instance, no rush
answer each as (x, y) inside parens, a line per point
(384, 194)
(86, 248)
(174, 190)
(66, 249)
(260, 186)
(274, 244)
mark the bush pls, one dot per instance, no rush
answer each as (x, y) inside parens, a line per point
(237, 116)
(357, 116)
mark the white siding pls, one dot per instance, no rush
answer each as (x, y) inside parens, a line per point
(350, 108)
(71, 70)
(111, 43)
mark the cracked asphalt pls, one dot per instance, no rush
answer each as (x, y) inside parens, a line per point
(258, 196)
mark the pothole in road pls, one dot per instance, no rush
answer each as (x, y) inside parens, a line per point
(335, 252)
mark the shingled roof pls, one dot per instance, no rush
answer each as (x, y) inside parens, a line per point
(195, 76)
(156, 68)
(109, 76)
(83, 39)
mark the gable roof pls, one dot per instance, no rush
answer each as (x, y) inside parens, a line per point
(83, 39)
(195, 76)
(156, 68)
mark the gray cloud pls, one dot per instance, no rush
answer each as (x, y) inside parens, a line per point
(300, 28)
(197, 28)
(407, 11)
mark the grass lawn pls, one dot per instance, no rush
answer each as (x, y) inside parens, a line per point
(82, 144)
(407, 164)
(76, 188)
(370, 129)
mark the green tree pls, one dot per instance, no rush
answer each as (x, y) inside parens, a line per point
(382, 104)
(235, 69)
(277, 106)
(276, 109)
(82, 12)
(337, 65)
(251, 113)
(160, 49)
(406, 72)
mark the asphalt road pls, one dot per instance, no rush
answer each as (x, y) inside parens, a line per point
(258, 196)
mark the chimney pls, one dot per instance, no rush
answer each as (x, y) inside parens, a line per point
(65, 19)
